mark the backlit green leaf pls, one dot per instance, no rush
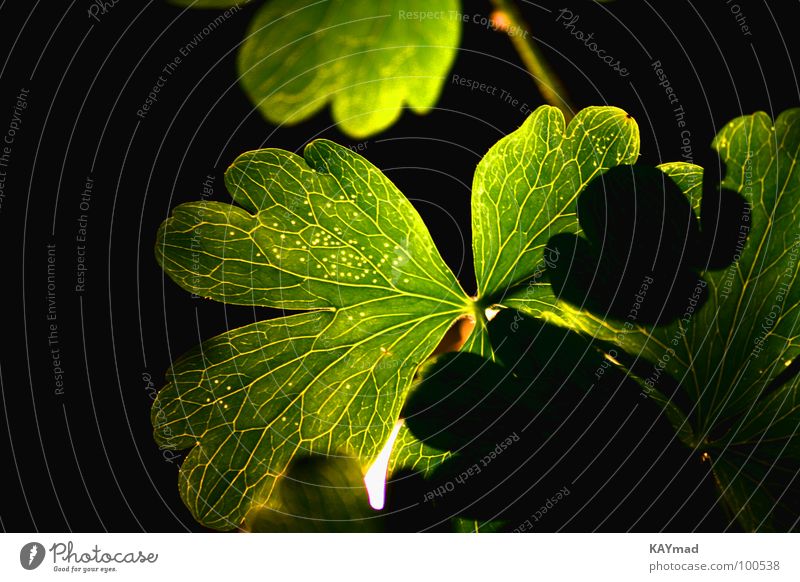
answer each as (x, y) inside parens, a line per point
(525, 190)
(327, 233)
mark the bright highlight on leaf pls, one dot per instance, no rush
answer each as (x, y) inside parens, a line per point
(375, 479)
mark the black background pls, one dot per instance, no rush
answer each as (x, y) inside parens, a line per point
(85, 460)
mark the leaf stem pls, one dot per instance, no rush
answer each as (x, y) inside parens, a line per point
(547, 82)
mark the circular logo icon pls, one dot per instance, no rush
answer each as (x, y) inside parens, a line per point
(31, 555)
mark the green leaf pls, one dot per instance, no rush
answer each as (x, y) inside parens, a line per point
(525, 190)
(327, 233)
(324, 232)
(317, 494)
(730, 355)
(368, 59)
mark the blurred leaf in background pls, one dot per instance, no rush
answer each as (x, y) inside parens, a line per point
(368, 59)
